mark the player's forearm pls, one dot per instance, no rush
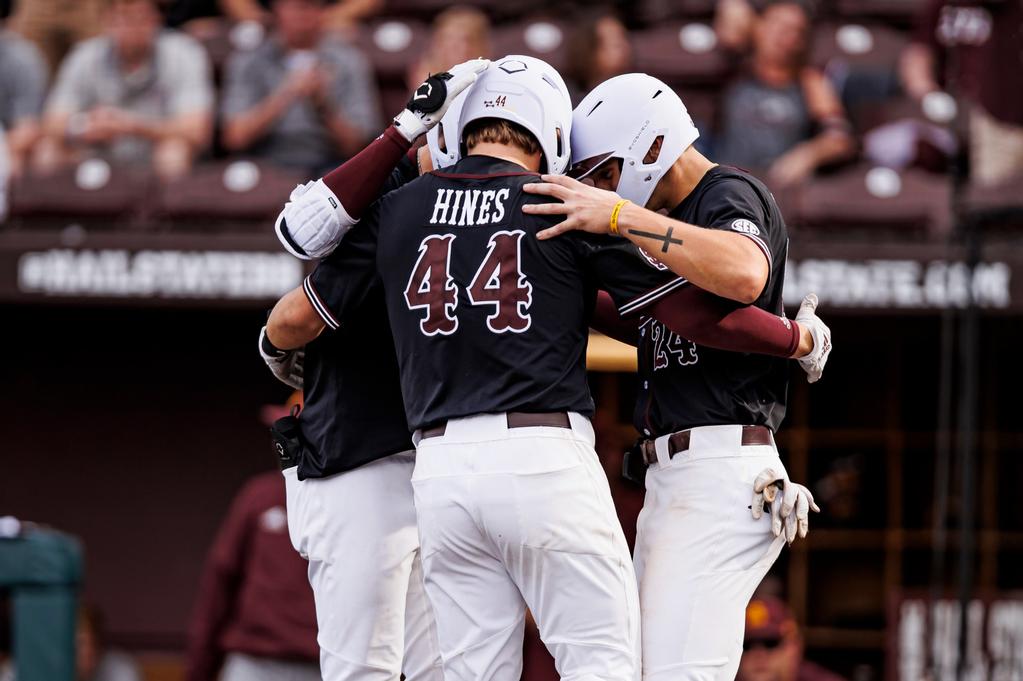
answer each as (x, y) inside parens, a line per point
(358, 181)
(718, 323)
(724, 263)
(293, 322)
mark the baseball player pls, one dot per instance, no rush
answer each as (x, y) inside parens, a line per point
(348, 473)
(708, 418)
(489, 328)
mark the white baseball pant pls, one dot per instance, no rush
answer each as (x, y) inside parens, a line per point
(700, 555)
(242, 667)
(511, 518)
(358, 531)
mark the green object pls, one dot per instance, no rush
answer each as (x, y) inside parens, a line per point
(42, 570)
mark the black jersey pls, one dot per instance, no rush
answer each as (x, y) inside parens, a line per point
(682, 384)
(486, 318)
(353, 412)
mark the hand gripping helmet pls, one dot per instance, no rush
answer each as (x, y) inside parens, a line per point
(531, 93)
(621, 118)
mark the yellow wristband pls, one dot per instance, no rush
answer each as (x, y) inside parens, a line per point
(614, 215)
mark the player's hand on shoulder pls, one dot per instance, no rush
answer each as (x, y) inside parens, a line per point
(789, 504)
(313, 221)
(587, 208)
(286, 365)
(431, 100)
(813, 362)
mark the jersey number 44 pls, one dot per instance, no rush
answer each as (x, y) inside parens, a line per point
(499, 282)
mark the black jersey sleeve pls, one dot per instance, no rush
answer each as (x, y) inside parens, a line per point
(633, 279)
(732, 204)
(346, 277)
(403, 173)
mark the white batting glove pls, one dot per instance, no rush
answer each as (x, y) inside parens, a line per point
(286, 365)
(431, 99)
(813, 363)
(791, 512)
(313, 221)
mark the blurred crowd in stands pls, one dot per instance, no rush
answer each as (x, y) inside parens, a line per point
(790, 89)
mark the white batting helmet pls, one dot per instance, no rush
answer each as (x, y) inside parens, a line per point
(448, 127)
(530, 92)
(621, 118)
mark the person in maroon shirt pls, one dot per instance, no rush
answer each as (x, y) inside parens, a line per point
(982, 42)
(773, 647)
(254, 617)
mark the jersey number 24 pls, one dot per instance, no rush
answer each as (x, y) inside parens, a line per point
(498, 282)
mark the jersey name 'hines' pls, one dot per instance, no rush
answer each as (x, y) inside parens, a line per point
(469, 207)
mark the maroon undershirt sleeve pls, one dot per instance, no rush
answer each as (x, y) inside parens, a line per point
(357, 182)
(607, 321)
(720, 323)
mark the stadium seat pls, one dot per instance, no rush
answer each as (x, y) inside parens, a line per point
(860, 60)
(702, 104)
(680, 54)
(999, 207)
(653, 12)
(862, 198)
(897, 12)
(232, 191)
(216, 37)
(392, 46)
(497, 10)
(857, 44)
(92, 191)
(542, 38)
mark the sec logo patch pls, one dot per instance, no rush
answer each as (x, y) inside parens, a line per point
(746, 227)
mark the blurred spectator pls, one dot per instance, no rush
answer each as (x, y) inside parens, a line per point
(94, 661)
(56, 25)
(340, 14)
(301, 99)
(5, 174)
(22, 90)
(733, 24)
(773, 646)
(254, 618)
(784, 116)
(598, 49)
(985, 37)
(137, 94)
(6, 668)
(459, 33)
(183, 11)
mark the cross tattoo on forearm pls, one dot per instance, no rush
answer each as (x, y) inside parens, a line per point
(666, 238)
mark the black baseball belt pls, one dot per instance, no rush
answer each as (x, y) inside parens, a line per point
(516, 419)
(679, 442)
